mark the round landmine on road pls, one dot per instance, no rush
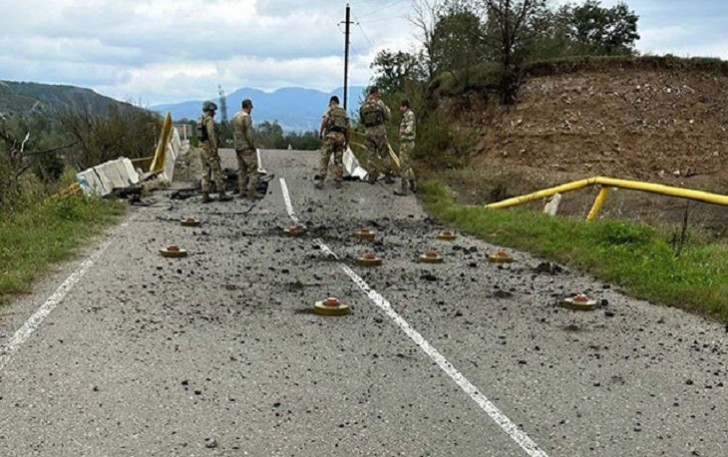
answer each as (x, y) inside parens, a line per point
(330, 307)
(366, 234)
(190, 221)
(500, 257)
(579, 302)
(173, 251)
(294, 230)
(369, 259)
(446, 235)
(431, 257)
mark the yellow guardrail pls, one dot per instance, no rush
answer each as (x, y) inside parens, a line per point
(607, 184)
(164, 137)
(360, 144)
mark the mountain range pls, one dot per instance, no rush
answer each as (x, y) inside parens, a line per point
(294, 108)
(28, 98)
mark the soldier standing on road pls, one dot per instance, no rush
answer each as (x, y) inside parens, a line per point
(246, 151)
(373, 114)
(407, 130)
(335, 127)
(209, 134)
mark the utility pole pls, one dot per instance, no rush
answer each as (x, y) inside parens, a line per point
(223, 104)
(346, 54)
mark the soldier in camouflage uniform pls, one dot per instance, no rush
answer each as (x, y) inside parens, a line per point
(209, 135)
(335, 127)
(246, 151)
(406, 147)
(373, 114)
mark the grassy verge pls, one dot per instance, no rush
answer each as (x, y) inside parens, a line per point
(50, 232)
(637, 258)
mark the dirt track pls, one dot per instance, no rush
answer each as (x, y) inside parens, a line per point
(218, 354)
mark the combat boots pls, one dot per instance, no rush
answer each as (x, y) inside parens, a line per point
(388, 179)
(404, 190)
(206, 197)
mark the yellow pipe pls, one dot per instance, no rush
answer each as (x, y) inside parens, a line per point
(164, 137)
(541, 194)
(666, 190)
(394, 156)
(598, 203)
(706, 197)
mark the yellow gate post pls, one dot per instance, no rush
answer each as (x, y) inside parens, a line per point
(164, 137)
(603, 194)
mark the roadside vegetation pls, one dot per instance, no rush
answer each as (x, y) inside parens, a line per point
(647, 263)
(46, 233)
(39, 156)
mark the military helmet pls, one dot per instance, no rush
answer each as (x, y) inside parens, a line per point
(247, 103)
(209, 106)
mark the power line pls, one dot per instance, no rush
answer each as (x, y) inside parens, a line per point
(383, 19)
(371, 43)
(388, 5)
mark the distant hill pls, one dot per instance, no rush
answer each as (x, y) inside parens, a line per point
(26, 98)
(295, 108)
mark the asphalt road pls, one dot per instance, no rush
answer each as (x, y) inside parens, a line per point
(219, 354)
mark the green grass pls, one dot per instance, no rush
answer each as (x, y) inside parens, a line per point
(50, 232)
(638, 258)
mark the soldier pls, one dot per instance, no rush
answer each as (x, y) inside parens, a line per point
(406, 147)
(335, 126)
(209, 135)
(246, 151)
(373, 114)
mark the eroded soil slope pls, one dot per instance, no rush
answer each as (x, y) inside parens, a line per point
(662, 126)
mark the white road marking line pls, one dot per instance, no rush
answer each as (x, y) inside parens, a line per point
(507, 425)
(32, 324)
(289, 205)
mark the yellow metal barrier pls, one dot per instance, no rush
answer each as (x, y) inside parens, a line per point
(164, 137)
(608, 183)
(143, 162)
(70, 190)
(360, 144)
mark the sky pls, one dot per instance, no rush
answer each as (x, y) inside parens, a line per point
(165, 51)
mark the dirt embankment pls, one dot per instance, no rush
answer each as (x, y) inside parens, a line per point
(662, 126)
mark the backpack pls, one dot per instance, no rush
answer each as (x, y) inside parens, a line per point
(371, 113)
(338, 121)
(202, 133)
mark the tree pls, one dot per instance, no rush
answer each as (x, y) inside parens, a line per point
(129, 133)
(393, 70)
(28, 144)
(457, 39)
(270, 135)
(602, 31)
(306, 141)
(512, 28)
(425, 15)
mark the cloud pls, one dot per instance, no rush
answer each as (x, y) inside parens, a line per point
(163, 51)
